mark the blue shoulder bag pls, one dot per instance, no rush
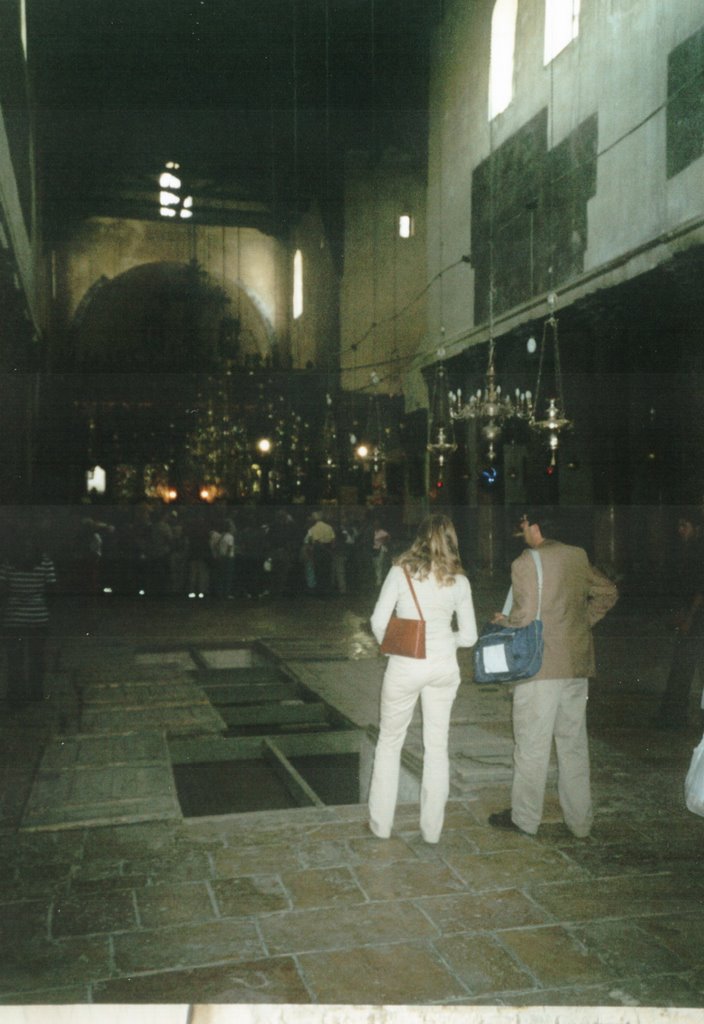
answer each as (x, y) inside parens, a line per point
(507, 654)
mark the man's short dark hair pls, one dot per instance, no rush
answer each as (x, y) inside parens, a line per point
(542, 516)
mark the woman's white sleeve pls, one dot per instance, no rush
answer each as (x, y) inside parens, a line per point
(386, 602)
(466, 635)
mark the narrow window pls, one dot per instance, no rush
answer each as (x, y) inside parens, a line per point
(503, 41)
(297, 284)
(561, 26)
(405, 225)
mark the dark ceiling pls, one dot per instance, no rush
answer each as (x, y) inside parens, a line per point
(258, 100)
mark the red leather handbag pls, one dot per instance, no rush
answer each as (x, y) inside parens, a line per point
(405, 637)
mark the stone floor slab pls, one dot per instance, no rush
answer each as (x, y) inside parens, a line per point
(381, 975)
(187, 946)
(243, 897)
(322, 887)
(553, 956)
(306, 931)
(407, 879)
(93, 914)
(483, 965)
(258, 981)
(523, 867)
(160, 906)
(470, 912)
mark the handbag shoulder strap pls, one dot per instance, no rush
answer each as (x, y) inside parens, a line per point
(413, 591)
(508, 604)
(539, 570)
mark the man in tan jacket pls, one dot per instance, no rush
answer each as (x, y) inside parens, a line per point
(553, 703)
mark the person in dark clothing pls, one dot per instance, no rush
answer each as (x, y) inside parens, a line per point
(26, 576)
(689, 625)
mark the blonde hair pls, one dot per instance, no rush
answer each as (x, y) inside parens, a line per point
(434, 549)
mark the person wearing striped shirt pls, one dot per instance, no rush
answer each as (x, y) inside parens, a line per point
(27, 576)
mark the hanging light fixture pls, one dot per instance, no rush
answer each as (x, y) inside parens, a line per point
(488, 404)
(371, 449)
(329, 459)
(555, 420)
(441, 432)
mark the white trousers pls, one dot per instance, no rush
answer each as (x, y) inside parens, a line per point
(542, 710)
(403, 684)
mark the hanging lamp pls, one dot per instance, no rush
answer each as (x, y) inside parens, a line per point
(555, 420)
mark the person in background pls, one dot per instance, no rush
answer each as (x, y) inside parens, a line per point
(318, 546)
(443, 591)
(380, 551)
(553, 703)
(688, 577)
(224, 563)
(27, 576)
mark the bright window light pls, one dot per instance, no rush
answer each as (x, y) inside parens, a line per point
(168, 180)
(185, 214)
(168, 199)
(188, 202)
(561, 26)
(167, 211)
(172, 166)
(503, 42)
(95, 480)
(405, 225)
(297, 284)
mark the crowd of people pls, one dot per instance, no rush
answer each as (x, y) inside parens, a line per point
(215, 552)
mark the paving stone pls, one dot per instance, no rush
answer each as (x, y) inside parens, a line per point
(483, 964)
(48, 997)
(523, 867)
(258, 981)
(383, 975)
(47, 877)
(493, 911)
(684, 935)
(629, 949)
(308, 930)
(123, 841)
(93, 914)
(324, 854)
(370, 849)
(22, 920)
(196, 945)
(554, 957)
(255, 894)
(405, 879)
(159, 906)
(322, 887)
(173, 866)
(252, 860)
(629, 896)
(33, 965)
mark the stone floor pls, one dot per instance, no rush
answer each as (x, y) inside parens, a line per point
(304, 906)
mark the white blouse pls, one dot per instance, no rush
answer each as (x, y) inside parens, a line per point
(438, 605)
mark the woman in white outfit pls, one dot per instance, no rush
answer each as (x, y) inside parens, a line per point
(443, 590)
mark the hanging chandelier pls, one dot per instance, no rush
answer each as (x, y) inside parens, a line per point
(329, 460)
(441, 433)
(491, 406)
(555, 421)
(371, 450)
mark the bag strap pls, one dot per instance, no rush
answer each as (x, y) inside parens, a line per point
(508, 603)
(410, 584)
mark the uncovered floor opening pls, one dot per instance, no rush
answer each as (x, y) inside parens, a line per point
(281, 747)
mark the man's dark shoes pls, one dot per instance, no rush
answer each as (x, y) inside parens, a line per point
(503, 819)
